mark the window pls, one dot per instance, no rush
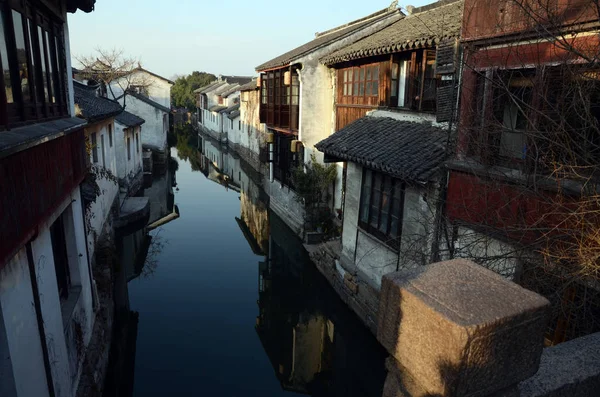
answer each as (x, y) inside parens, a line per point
(283, 158)
(61, 262)
(110, 130)
(103, 151)
(382, 200)
(137, 142)
(33, 64)
(128, 148)
(360, 81)
(94, 148)
(239, 125)
(139, 89)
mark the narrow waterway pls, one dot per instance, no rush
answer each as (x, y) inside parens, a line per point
(225, 301)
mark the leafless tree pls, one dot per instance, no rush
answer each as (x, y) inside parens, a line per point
(114, 70)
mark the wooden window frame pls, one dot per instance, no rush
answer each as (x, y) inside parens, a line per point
(397, 187)
(45, 62)
(358, 81)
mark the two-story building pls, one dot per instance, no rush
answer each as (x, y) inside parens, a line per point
(216, 102)
(99, 112)
(148, 96)
(394, 97)
(128, 136)
(297, 105)
(522, 191)
(46, 286)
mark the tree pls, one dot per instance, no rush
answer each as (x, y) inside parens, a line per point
(113, 70)
(182, 93)
(530, 118)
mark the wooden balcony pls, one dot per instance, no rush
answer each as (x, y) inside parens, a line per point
(34, 182)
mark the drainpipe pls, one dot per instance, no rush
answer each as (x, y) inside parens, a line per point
(271, 158)
(300, 86)
(40, 320)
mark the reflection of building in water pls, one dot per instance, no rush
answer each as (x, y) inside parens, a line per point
(161, 195)
(136, 250)
(315, 344)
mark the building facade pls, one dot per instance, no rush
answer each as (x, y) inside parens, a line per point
(401, 79)
(216, 103)
(128, 138)
(46, 288)
(520, 185)
(297, 105)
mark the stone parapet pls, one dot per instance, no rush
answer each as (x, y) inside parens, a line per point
(569, 369)
(457, 329)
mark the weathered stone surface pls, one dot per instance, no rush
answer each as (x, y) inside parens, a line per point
(460, 329)
(569, 369)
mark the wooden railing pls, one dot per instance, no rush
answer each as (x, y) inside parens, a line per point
(34, 182)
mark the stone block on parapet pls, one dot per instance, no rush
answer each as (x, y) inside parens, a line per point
(461, 330)
(569, 369)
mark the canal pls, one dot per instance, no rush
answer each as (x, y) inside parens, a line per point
(223, 301)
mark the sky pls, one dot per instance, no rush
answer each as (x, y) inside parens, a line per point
(221, 37)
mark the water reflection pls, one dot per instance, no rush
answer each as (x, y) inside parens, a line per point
(199, 331)
(138, 252)
(314, 343)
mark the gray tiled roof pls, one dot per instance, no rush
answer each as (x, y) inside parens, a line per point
(93, 107)
(149, 101)
(251, 86)
(403, 149)
(217, 108)
(233, 115)
(328, 37)
(426, 26)
(206, 87)
(236, 79)
(129, 119)
(211, 87)
(234, 88)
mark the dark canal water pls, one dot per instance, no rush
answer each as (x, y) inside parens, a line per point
(224, 301)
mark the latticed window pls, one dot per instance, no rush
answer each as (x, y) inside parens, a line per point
(32, 59)
(361, 81)
(382, 201)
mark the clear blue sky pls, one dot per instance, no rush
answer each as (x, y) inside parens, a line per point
(220, 37)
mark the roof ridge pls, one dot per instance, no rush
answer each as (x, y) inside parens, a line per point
(431, 6)
(384, 11)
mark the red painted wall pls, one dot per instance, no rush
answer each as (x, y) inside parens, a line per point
(494, 18)
(33, 183)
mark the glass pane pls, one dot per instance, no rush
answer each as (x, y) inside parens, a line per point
(21, 56)
(368, 88)
(350, 89)
(43, 62)
(368, 72)
(376, 72)
(386, 198)
(375, 200)
(356, 89)
(361, 88)
(375, 88)
(51, 68)
(394, 87)
(345, 76)
(32, 59)
(5, 65)
(366, 197)
(362, 74)
(355, 74)
(395, 68)
(394, 227)
(345, 89)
